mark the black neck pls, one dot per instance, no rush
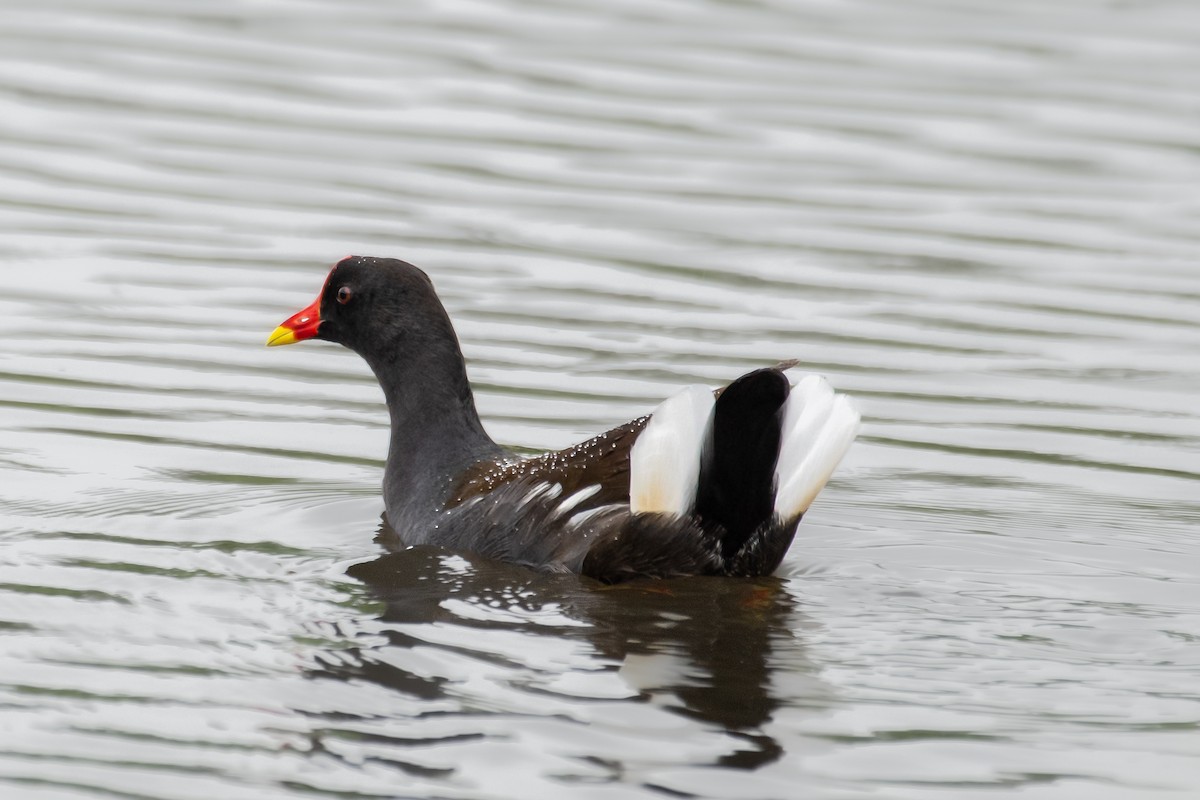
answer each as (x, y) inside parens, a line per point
(436, 432)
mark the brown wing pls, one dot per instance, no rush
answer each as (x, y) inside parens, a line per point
(602, 461)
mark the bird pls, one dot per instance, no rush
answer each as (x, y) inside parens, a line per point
(711, 482)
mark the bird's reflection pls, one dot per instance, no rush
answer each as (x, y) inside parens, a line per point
(700, 646)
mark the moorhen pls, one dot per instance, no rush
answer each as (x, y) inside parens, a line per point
(710, 483)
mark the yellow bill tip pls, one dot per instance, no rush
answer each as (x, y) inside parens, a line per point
(281, 335)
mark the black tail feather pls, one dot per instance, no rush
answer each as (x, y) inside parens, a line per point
(737, 468)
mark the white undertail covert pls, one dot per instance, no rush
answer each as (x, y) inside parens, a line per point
(664, 464)
(817, 426)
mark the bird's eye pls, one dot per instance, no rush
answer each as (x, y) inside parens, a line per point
(344, 294)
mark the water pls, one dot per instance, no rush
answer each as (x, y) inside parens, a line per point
(978, 219)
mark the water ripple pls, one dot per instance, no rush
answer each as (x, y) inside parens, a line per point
(978, 219)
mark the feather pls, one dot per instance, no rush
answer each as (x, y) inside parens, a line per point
(818, 427)
(664, 464)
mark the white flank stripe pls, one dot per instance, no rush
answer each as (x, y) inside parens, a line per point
(575, 499)
(542, 491)
(664, 464)
(818, 427)
(584, 517)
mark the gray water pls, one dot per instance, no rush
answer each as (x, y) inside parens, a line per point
(979, 219)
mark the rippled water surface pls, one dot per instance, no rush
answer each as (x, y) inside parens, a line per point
(980, 219)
